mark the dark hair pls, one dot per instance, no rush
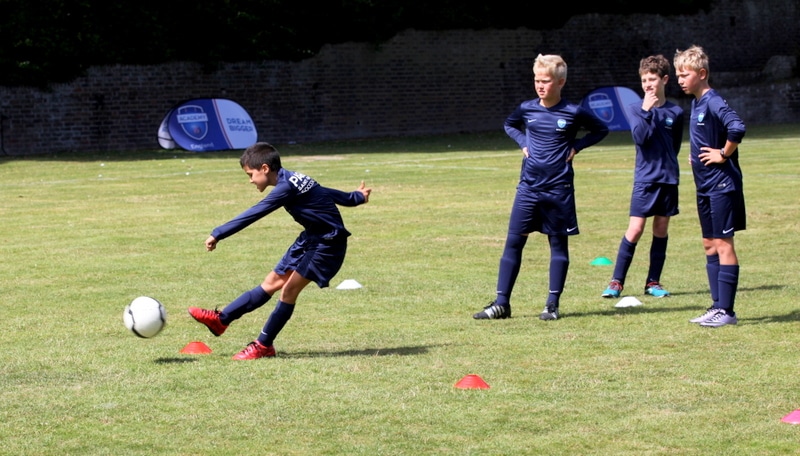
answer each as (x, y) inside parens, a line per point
(261, 153)
(657, 64)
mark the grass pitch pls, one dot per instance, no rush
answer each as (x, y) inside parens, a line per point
(372, 371)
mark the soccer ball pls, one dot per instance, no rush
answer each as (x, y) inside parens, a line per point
(145, 317)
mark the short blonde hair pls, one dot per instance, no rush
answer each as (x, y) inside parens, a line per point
(694, 58)
(553, 64)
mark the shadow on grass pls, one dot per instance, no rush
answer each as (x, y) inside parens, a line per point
(647, 307)
(397, 351)
(656, 306)
(175, 360)
(791, 317)
(740, 289)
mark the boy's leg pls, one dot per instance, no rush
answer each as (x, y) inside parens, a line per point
(727, 284)
(277, 320)
(624, 259)
(247, 302)
(510, 264)
(627, 248)
(262, 346)
(658, 255)
(559, 266)
(217, 321)
(284, 308)
(712, 271)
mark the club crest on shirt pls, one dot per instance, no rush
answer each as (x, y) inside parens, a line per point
(561, 123)
(669, 121)
(700, 117)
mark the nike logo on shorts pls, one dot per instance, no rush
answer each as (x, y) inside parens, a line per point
(727, 231)
(569, 230)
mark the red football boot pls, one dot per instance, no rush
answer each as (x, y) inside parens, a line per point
(210, 318)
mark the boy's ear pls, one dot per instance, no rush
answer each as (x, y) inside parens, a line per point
(265, 168)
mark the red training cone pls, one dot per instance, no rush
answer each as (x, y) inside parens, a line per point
(196, 348)
(792, 418)
(472, 381)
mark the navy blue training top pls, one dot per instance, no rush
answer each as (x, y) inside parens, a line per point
(713, 123)
(657, 134)
(310, 204)
(549, 134)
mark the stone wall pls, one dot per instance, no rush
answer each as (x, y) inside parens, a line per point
(418, 83)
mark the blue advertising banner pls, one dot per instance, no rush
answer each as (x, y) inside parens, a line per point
(610, 104)
(207, 124)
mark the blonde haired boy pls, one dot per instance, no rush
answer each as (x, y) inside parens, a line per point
(715, 131)
(546, 130)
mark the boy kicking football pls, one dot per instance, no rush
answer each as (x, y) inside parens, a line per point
(315, 256)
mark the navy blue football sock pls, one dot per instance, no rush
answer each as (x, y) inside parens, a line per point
(277, 319)
(658, 255)
(559, 265)
(247, 302)
(712, 269)
(728, 283)
(510, 263)
(624, 259)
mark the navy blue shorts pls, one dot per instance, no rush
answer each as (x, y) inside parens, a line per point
(314, 258)
(550, 212)
(721, 214)
(649, 199)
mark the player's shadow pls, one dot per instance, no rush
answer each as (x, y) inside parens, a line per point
(648, 307)
(174, 360)
(396, 351)
(788, 318)
(658, 305)
(740, 289)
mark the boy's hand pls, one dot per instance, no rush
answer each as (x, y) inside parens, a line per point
(571, 155)
(364, 191)
(650, 99)
(710, 156)
(211, 243)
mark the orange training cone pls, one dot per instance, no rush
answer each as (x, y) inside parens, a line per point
(196, 348)
(792, 418)
(472, 381)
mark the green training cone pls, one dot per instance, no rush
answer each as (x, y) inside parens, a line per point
(601, 261)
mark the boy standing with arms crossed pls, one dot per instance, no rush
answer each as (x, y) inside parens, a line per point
(545, 129)
(657, 130)
(715, 131)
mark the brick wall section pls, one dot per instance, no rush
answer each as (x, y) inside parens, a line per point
(417, 83)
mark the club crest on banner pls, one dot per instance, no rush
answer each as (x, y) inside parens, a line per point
(602, 106)
(611, 105)
(193, 121)
(207, 124)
